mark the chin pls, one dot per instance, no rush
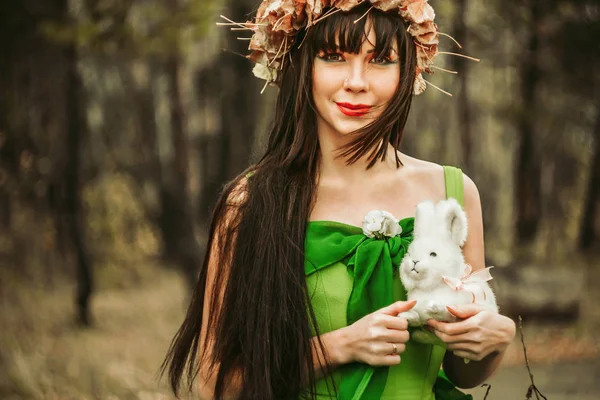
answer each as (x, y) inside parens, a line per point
(348, 127)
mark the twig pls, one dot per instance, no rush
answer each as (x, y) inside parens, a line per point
(532, 388)
(364, 15)
(489, 387)
(454, 40)
(459, 55)
(445, 70)
(443, 91)
(327, 14)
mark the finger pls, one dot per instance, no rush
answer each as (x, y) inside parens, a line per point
(398, 307)
(464, 346)
(450, 328)
(397, 323)
(454, 338)
(386, 348)
(395, 336)
(389, 348)
(388, 360)
(399, 349)
(465, 311)
(467, 354)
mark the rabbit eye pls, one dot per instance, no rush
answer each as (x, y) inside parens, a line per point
(433, 254)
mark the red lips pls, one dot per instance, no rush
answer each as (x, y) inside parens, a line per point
(353, 110)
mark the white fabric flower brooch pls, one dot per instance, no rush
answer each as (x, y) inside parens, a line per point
(379, 224)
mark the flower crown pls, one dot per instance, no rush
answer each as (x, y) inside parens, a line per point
(278, 22)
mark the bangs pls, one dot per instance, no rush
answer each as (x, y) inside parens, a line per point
(340, 32)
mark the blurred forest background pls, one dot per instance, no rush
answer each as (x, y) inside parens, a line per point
(120, 120)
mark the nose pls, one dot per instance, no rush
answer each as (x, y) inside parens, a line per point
(415, 263)
(356, 80)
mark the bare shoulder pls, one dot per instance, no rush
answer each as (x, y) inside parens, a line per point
(239, 191)
(236, 195)
(426, 175)
(431, 175)
(471, 192)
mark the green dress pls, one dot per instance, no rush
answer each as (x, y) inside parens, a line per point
(349, 276)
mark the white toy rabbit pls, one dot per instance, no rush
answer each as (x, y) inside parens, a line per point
(434, 272)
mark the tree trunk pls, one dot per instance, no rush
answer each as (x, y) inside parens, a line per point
(588, 233)
(528, 201)
(239, 107)
(5, 205)
(73, 208)
(176, 220)
(464, 115)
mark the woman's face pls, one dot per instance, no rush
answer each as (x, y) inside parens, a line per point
(352, 90)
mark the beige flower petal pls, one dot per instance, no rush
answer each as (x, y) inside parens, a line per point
(387, 5)
(263, 72)
(426, 33)
(420, 84)
(346, 5)
(417, 11)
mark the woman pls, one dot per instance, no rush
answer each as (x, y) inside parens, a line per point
(278, 312)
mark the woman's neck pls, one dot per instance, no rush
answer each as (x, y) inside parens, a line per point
(335, 168)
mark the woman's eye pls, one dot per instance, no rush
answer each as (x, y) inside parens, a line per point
(381, 60)
(331, 57)
(433, 254)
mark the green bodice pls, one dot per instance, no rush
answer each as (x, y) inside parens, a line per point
(349, 276)
(330, 290)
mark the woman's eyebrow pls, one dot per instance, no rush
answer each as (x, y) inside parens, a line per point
(373, 51)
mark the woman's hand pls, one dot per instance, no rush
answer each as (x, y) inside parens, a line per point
(479, 333)
(378, 338)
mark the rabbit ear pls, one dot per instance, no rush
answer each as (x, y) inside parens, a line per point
(455, 220)
(424, 217)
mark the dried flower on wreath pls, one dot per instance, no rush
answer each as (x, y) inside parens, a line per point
(277, 23)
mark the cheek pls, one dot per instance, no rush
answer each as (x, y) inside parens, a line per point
(387, 83)
(325, 82)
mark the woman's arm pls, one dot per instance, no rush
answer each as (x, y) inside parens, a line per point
(216, 281)
(481, 336)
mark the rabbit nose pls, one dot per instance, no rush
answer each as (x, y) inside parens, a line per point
(415, 262)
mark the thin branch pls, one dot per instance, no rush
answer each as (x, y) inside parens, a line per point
(459, 55)
(264, 87)
(364, 15)
(279, 22)
(489, 387)
(454, 40)
(233, 52)
(532, 388)
(440, 89)
(281, 46)
(327, 14)
(233, 23)
(444, 70)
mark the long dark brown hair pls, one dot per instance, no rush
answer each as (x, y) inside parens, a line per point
(261, 316)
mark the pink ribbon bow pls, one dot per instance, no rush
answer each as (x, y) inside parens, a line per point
(469, 281)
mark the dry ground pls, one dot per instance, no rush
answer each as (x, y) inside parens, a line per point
(44, 355)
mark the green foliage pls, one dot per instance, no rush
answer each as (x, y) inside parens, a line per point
(132, 27)
(121, 239)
